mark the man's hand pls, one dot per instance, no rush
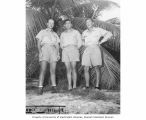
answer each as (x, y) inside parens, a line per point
(100, 39)
(40, 53)
(98, 44)
(39, 48)
(58, 56)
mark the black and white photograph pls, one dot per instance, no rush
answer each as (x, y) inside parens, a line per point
(72, 57)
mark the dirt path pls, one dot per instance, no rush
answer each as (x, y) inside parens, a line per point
(78, 101)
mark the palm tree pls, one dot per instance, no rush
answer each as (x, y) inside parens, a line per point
(37, 13)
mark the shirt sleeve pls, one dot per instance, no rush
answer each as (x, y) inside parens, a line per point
(39, 35)
(104, 32)
(106, 35)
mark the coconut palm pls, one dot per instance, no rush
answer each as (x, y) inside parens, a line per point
(37, 13)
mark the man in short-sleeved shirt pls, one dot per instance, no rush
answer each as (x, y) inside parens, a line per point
(93, 37)
(49, 45)
(48, 53)
(92, 54)
(70, 42)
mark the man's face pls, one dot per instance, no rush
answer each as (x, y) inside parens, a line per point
(50, 23)
(68, 24)
(89, 23)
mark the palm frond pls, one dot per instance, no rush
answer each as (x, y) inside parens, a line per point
(110, 71)
(114, 42)
(35, 21)
(77, 10)
(40, 3)
(32, 63)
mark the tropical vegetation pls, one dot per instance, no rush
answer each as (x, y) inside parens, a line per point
(39, 11)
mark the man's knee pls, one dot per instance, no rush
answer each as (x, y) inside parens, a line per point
(43, 66)
(68, 68)
(73, 66)
(86, 69)
(97, 68)
(52, 69)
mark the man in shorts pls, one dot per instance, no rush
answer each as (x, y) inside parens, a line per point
(70, 42)
(92, 55)
(48, 48)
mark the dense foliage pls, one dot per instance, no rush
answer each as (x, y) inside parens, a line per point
(39, 11)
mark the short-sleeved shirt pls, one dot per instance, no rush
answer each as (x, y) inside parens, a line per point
(72, 37)
(47, 36)
(92, 37)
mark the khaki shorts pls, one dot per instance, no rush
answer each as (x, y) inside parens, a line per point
(49, 53)
(70, 54)
(92, 56)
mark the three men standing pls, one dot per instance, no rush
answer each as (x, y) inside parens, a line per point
(70, 41)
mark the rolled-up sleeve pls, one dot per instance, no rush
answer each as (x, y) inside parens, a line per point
(39, 35)
(105, 32)
(106, 35)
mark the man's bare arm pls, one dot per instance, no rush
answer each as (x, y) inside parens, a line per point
(106, 37)
(39, 45)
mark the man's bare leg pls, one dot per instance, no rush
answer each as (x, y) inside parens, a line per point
(98, 76)
(43, 65)
(87, 77)
(53, 76)
(52, 73)
(68, 69)
(74, 74)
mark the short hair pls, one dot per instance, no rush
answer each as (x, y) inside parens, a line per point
(50, 19)
(67, 20)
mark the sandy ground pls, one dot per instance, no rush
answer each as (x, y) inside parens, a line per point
(78, 101)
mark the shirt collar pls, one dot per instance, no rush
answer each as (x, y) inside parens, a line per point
(93, 29)
(49, 30)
